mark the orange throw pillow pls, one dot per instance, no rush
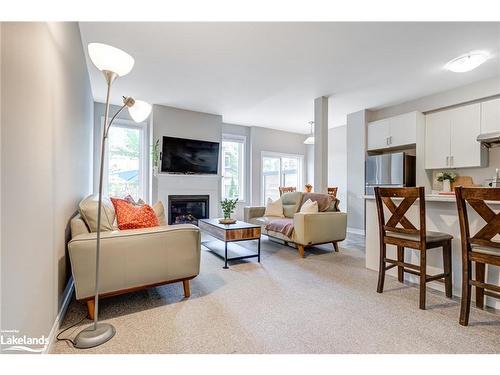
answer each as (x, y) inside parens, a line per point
(130, 216)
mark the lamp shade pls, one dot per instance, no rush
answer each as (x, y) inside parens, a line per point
(139, 111)
(108, 58)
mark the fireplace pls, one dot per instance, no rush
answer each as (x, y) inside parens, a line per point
(187, 209)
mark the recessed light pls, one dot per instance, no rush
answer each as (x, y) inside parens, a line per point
(467, 62)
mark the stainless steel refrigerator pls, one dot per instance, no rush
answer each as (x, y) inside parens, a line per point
(389, 170)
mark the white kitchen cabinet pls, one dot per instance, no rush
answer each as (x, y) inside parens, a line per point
(437, 140)
(490, 116)
(450, 138)
(403, 129)
(378, 134)
(465, 127)
(393, 131)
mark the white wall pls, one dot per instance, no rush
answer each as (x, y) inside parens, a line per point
(462, 94)
(45, 166)
(337, 162)
(356, 155)
(264, 139)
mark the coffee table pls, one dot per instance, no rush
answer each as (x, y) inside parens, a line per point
(227, 234)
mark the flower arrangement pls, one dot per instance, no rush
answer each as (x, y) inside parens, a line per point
(442, 176)
(228, 206)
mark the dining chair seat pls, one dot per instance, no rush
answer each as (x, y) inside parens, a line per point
(430, 236)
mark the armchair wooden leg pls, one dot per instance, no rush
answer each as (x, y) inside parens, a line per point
(301, 250)
(336, 246)
(91, 308)
(187, 292)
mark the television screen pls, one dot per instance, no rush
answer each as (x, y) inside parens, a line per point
(189, 156)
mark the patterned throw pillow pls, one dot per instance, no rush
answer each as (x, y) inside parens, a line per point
(130, 216)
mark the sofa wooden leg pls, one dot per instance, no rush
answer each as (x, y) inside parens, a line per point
(187, 292)
(336, 246)
(91, 308)
(301, 250)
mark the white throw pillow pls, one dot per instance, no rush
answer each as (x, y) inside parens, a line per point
(274, 208)
(88, 212)
(309, 207)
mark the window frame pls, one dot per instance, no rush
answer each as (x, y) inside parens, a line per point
(280, 155)
(143, 155)
(241, 139)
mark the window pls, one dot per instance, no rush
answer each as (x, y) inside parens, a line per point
(280, 170)
(233, 148)
(125, 171)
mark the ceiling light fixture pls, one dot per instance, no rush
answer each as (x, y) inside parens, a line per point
(467, 62)
(310, 140)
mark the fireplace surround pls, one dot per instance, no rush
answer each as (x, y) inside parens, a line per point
(187, 209)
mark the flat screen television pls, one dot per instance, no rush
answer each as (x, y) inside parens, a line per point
(189, 156)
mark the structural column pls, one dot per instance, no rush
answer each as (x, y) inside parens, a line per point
(321, 144)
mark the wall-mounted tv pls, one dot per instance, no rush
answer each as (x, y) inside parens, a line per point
(189, 156)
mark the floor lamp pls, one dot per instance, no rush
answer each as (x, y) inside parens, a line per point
(113, 63)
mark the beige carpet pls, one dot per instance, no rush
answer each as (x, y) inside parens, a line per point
(325, 303)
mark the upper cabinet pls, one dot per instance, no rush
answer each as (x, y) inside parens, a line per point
(450, 138)
(490, 116)
(393, 132)
(378, 134)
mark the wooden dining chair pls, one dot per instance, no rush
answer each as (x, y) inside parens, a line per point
(287, 189)
(479, 248)
(333, 191)
(400, 232)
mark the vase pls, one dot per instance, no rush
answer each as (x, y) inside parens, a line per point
(155, 170)
(446, 186)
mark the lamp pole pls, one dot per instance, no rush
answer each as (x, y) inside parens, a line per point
(99, 333)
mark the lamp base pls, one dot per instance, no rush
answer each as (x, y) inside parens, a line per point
(90, 337)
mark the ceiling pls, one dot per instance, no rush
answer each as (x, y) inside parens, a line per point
(268, 74)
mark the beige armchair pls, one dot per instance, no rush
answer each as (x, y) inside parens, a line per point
(133, 259)
(309, 228)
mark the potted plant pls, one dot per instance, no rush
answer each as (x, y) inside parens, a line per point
(155, 153)
(446, 178)
(228, 206)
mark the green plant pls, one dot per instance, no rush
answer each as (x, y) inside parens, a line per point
(155, 152)
(228, 206)
(441, 176)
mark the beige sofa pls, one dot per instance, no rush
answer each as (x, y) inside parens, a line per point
(309, 228)
(132, 259)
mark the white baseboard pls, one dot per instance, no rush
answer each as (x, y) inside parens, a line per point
(356, 231)
(68, 292)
